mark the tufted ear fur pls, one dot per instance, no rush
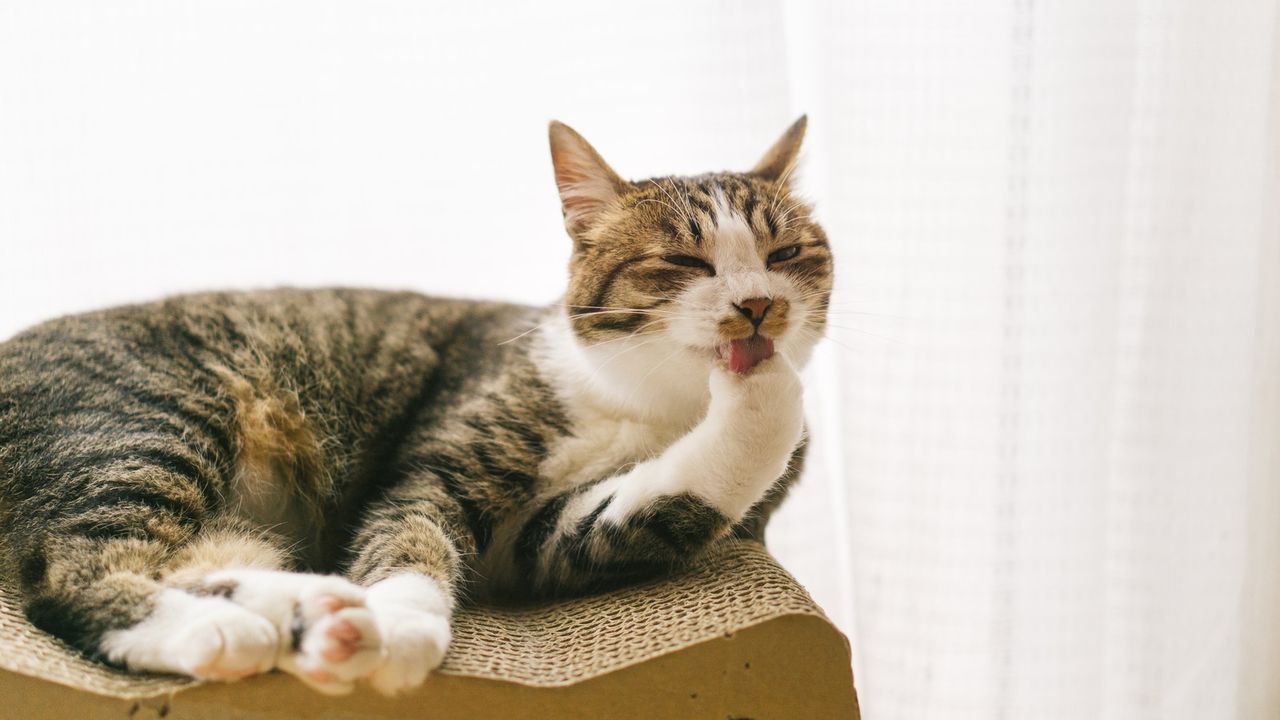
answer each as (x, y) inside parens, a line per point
(778, 163)
(587, 184)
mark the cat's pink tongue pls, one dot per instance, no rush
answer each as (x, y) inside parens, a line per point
(743, 355)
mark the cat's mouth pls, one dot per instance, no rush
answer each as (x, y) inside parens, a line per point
(741, 356)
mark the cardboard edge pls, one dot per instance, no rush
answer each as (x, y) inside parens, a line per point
(797, 665)
(793, 665)
(177, 684)
(675, 647)
(166, 685)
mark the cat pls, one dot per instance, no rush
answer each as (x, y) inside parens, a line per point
(222, 484)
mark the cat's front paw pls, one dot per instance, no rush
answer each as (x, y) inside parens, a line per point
(412, 613)
(329, 637)
(208, 638)
(765, 406)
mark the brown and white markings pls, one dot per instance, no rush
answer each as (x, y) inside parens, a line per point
(311, 480)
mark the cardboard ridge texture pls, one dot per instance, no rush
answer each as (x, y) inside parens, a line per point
(735, 636)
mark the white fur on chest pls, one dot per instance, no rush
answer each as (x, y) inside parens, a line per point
(626, 402)
(648, 426)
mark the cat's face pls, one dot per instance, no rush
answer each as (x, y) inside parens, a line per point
(723, 267)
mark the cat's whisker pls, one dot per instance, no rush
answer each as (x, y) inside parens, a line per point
(684, 193)
(617, 355)
(596, 310)
(836, 310)
(637, 333)
(782, 182)
(660, 202)
(683, 216)
(533, 329)
(862, 313)
(845, 307)
(817, 337)
(785, 220)
(793, 206)
(864, 332)
(828, 336)
(697, 307)
(604, 310)
(678, 314)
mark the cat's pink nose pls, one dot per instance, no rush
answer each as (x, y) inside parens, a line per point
(754, 309)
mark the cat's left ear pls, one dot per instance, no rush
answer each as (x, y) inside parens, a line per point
(778, 163)
(587, 184)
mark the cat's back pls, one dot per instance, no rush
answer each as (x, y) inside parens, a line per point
(259, 318)
(278, 327)
(350, 361)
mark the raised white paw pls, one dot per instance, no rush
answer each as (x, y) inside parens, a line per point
(772, 382)
(205, 637)
(412, 613)
(328, 635)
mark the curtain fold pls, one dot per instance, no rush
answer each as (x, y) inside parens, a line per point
(1053, 386)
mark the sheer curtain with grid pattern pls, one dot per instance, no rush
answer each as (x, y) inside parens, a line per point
(1058, 463)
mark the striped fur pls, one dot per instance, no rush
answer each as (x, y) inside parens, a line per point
(211, 457)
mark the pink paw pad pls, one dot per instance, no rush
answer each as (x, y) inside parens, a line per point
(345, 639)
(335, 640)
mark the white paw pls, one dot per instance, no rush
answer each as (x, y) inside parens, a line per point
(205, 637)
(329, 637)
(766, 405)
(412, 613)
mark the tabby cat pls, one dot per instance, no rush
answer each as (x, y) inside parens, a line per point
(221, 484)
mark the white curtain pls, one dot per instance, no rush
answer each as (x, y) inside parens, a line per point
(1046, 474)
(1057, 456)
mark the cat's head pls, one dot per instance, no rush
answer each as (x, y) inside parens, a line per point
(725, 267)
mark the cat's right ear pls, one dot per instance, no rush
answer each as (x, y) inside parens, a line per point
(587, 184)
(777, 164)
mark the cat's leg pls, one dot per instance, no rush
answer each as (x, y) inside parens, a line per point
(215, 604)
(133, 573)
(406, 552)
(194, 627)
(92, 549)
(664, 511)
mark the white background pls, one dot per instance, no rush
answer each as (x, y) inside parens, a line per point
(148, 148)
(1046, 481)
(155, 147)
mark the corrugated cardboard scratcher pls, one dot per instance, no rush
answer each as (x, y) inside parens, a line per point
(734, 637)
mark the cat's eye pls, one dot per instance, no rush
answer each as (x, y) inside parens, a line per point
(784, 254)
(687, 261)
